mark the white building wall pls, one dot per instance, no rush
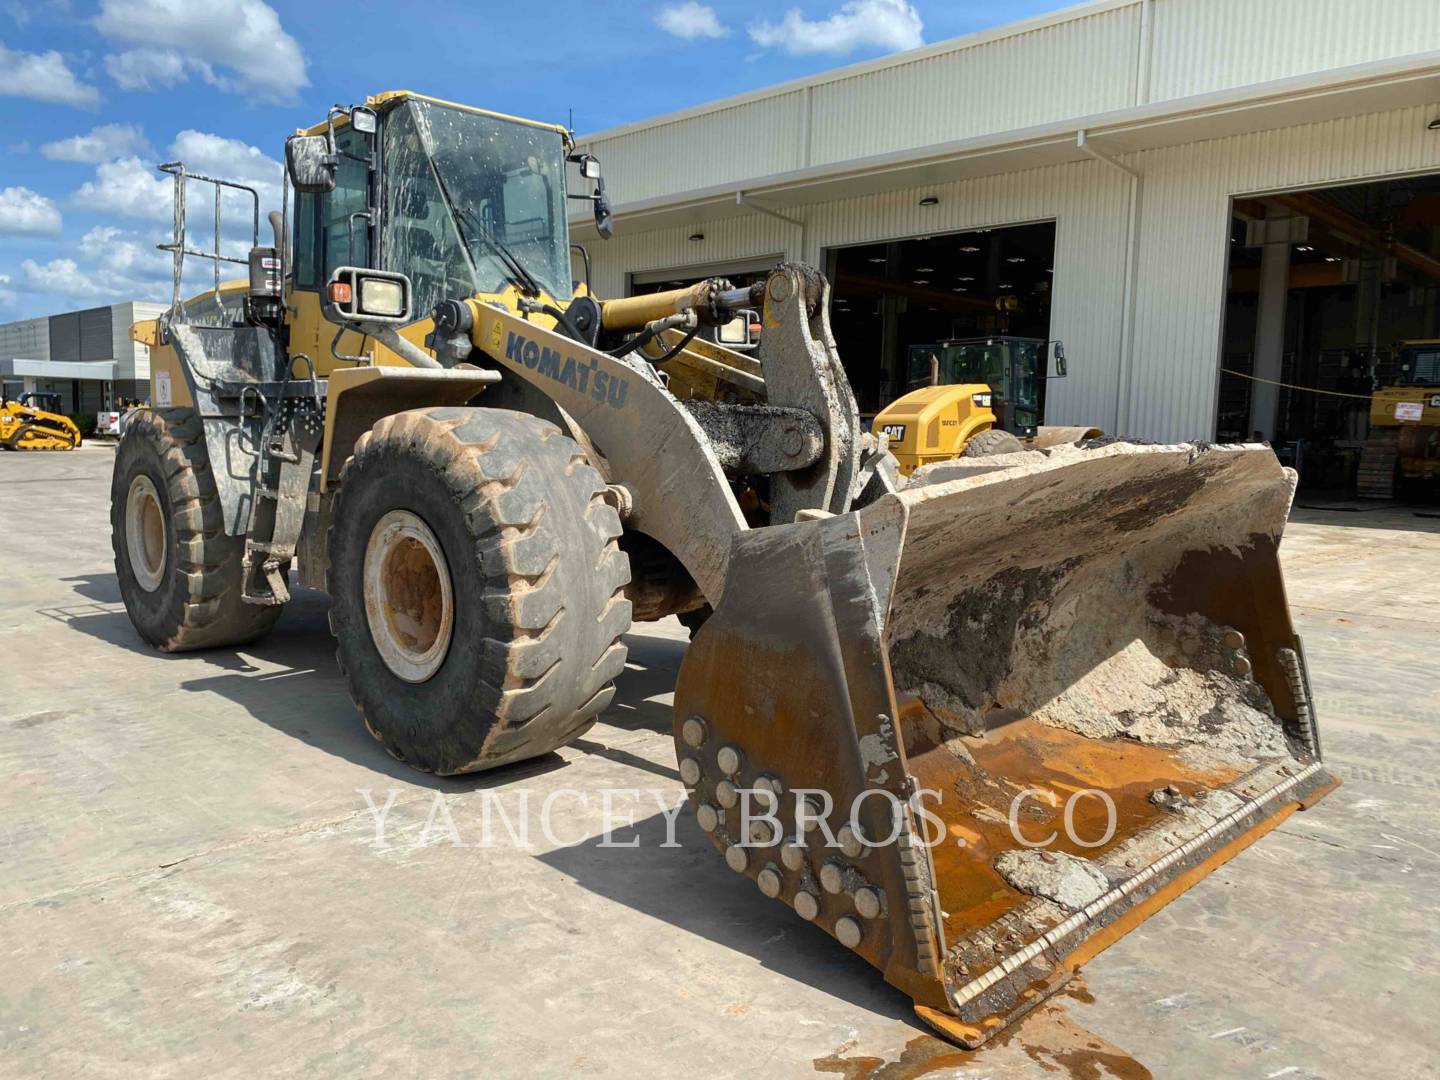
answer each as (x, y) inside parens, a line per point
(1184, 244)
(1169, 391)
(1206, 45)
(132, 360)
(1075, 63)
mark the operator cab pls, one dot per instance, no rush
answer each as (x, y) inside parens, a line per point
(1016, 370)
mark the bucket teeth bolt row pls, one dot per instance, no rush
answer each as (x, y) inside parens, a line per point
(1234, 640)
(694, 733)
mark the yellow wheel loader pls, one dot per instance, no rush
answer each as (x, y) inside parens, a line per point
(974, 397)
(34, 422)
(973, 729)
(1402, 454)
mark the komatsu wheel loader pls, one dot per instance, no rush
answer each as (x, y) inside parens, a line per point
(34, 422)
(974, 729)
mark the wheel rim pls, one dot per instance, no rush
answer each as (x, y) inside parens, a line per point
(146, 537)
(408, 598)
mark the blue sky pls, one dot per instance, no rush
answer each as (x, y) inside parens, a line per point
(94, 92)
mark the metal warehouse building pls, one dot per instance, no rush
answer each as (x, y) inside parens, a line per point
(85, 356)
(1186, 192)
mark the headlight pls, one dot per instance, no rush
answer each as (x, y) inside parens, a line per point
(379, 297)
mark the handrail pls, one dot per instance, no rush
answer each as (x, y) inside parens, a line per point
(177, 247)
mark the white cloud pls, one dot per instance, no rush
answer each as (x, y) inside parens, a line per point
(690, 21)
(43, 77)
(28, 213)
(236, 45)
(873, 25)
(146, 69)
(118, 265)
(104, 143)
(133, 188)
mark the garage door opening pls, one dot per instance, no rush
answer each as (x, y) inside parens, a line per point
(894, 301)
(1331, 345)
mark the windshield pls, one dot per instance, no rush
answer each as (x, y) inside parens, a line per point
(505, 181)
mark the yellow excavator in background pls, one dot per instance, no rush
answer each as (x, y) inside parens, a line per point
(904, 688)
(34, 422)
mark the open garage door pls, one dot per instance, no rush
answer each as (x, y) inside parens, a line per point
(896, 297)
(1331, 347)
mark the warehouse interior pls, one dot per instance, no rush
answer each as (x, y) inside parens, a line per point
(1324, 289)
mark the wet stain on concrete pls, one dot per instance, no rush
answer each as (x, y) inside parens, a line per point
(1049, 1037)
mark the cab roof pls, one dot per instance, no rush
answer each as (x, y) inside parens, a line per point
(380, 101)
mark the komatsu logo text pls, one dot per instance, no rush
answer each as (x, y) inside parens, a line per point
(584, 376)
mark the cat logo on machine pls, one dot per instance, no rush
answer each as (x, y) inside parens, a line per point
(894, 432)
(583, 376)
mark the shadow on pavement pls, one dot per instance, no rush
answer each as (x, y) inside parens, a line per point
(690, 887)
(306, 697)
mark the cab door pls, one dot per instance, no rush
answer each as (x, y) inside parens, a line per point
(331, 230)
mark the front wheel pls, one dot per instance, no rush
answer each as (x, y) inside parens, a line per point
(477, 587)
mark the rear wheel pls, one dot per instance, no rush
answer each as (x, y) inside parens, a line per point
(477, 587)
(178, 570)
(992, 441)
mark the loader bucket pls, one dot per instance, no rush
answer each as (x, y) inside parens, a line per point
(982, 728)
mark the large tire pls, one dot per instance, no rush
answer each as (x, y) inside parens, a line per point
(164, 510)
(992, 441)
(522, 615)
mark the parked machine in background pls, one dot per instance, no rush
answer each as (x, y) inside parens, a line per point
(1401, 457)
(34, 422)
(493, 474)
(975, 397)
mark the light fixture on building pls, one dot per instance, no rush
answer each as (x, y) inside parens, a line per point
(1332, 258)
(924, 269)
(1304, 247)
(969, 249)
(921, 281)
(965, 279)
(879, 259)
(696, 237)
(1016, 259)
(1007, 286)
(1049, 270)
(930, 200)
(959, 288)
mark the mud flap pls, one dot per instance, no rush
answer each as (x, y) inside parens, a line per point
(978, 730)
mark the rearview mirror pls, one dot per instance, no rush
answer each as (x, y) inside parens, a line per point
(311, 163)
(604, 220)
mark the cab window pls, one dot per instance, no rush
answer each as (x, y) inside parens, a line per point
(327, 233)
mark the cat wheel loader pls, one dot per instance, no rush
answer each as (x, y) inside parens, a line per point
(34, 422)
(974, 729)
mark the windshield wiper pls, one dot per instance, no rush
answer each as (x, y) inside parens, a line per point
(518, 273)
(516, 270)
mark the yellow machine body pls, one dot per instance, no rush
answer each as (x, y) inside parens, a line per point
(24, 426)
(934, 423)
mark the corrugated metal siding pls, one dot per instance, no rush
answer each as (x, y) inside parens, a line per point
(65, 337)
(1205, 45)
(1184, 250)
(672, 249)
(1072, 69)
(762, 137)
(96, 334)
(28, 339)
(1084, 63)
